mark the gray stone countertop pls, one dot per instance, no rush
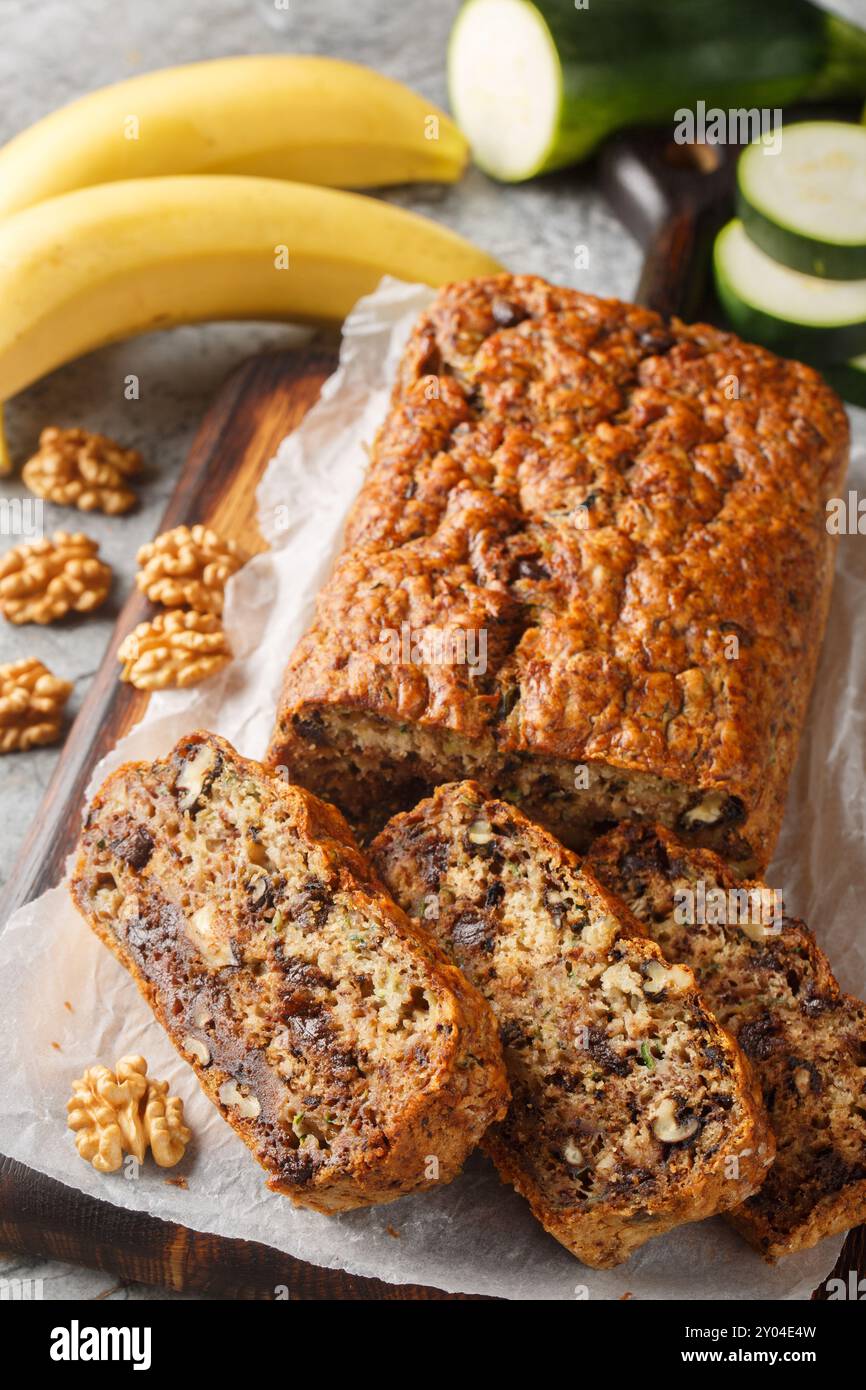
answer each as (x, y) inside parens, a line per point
(57, 50)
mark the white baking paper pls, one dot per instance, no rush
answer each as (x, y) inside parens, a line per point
(67, 1003)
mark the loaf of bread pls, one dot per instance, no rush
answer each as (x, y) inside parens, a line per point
(589, 567)
(772, 987)
(632, 1111)
(343, 1047)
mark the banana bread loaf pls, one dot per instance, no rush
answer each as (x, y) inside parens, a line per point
(350, 1056)
(772, 987)
(589, 568)
(632, 1110)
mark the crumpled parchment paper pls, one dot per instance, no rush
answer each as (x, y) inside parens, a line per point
(67, 1003)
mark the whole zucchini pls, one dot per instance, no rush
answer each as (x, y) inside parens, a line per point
(537, 86)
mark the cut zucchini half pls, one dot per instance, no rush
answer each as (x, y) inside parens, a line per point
(849, 379)
(804, 201)
(795, 314)
(538, 86)
(505, 86)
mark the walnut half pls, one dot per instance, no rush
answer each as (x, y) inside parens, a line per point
(74, 468)
(31, 705)
(188, 567)
(164, 1128)
(124, 1111)
(47, 579)
(177, 648)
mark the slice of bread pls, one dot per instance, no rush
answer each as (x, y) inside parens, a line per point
(343, 1047)
(632, 1110)
(772, 987)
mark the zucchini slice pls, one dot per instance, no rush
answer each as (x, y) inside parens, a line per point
(795, 314)
(804, 203)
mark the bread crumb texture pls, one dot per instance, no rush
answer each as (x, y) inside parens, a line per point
(773, 989)
(632, 1110)
(351, 1057)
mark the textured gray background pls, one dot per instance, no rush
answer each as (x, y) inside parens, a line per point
(56, 50)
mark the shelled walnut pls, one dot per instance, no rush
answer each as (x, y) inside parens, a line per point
(125, 1111)
(188, 567)
(164, 1128)
(46, 579)
(31, 705)
(175, 649)
(77, 469)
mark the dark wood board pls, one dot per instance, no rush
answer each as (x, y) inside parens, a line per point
(267, 397)
(260, 403)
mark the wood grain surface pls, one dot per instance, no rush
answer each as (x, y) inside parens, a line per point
(260, 403)
(264, 400)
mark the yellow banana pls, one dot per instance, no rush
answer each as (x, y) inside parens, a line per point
(104, 263)
(310, 119)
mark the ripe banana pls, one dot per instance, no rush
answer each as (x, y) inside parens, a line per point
(310, 119)
(104, 263)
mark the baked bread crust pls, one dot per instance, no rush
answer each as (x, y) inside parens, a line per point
(350, 1056)
(776, 992)
(633, 514)
(632, 1110)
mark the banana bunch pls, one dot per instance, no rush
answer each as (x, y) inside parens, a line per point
(190, 194)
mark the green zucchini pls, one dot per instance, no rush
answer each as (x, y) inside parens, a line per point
(849, 379)
(804, 203)
(795, 314)
(538, 86)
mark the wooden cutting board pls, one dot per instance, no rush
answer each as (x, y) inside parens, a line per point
(671, 211)
(262, 402)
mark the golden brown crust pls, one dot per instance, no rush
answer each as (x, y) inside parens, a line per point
(248, 1001)
(633, 514)
(774, 989)
(632, 1110)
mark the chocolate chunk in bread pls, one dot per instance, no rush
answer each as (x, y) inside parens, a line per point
(355, 1061)
(773, 989)
(632, 1110)
(582, 569)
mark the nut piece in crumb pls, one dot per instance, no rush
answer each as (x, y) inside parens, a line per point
(74, 468)
(125, 1111)
(46, 579)
(175, 649)
(672, 1125)
(31, 705)
(197, 1048)
(188, 567)
(244, 1101)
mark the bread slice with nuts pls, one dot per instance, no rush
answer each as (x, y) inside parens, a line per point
(632, 1109)
(771, 985)
(355, 1061)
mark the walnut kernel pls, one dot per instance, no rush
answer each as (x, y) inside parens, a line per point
(124, 1111)
(44, 580)
(74, 468)
(176, 648)
(31, 705)
(164, 1128)
(188, 567)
